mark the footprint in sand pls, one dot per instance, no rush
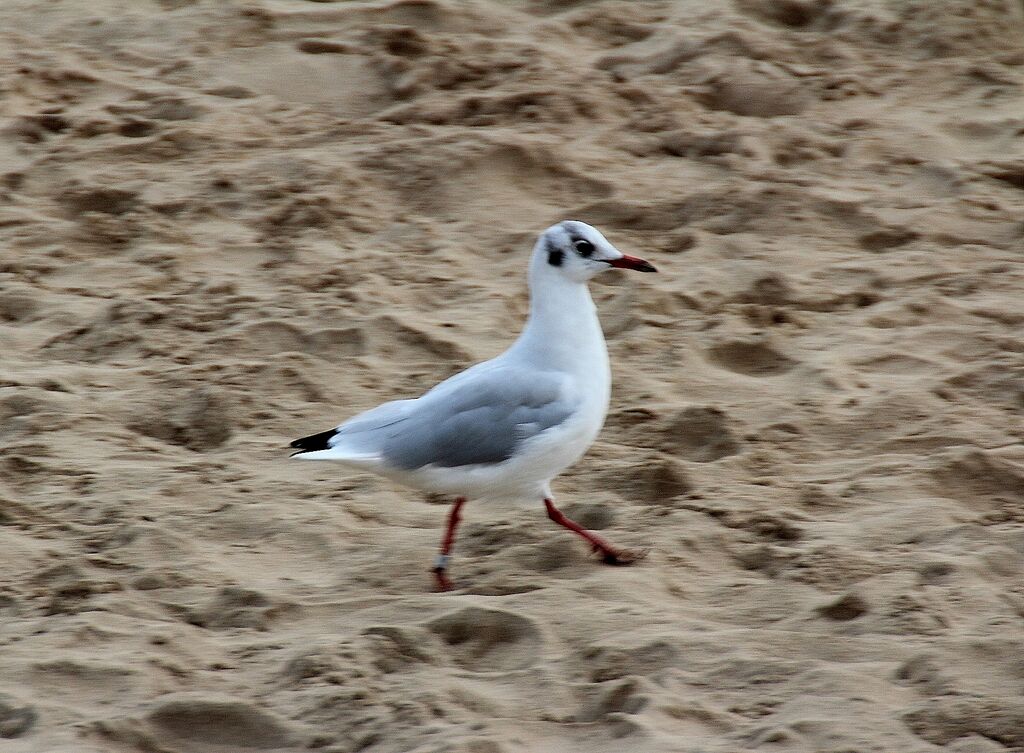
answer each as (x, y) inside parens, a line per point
(751, 358)
(16, 718)
(204, 719)
(489, 640)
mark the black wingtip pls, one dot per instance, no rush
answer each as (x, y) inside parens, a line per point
(313, 442)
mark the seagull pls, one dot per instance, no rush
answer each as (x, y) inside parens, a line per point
(504, 428)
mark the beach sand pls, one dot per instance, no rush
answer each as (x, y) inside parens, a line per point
(228, 224)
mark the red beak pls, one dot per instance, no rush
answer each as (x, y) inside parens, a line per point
(632, 262)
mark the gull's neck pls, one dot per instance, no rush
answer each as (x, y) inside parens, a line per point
(563, 331)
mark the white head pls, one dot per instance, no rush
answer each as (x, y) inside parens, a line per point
(576, 251)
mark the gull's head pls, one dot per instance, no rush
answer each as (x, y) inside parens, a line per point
(577, 252)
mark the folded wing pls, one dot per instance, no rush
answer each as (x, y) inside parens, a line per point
(478, 417)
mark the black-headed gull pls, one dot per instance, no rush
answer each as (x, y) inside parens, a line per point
(506, 427)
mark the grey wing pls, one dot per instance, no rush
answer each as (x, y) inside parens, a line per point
(476, 420)
(365, 434)
(384, 415)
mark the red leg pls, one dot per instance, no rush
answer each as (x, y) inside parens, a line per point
(609, 554)
(441, 563)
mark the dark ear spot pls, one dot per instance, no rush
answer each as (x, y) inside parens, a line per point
(555, 257)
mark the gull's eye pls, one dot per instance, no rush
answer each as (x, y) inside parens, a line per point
(584, 248)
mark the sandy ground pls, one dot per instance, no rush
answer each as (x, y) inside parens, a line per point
(226, 224)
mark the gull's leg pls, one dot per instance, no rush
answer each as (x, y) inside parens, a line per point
(609, 554)
(441, 562)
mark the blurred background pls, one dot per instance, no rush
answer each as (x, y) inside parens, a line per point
(227, 224)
